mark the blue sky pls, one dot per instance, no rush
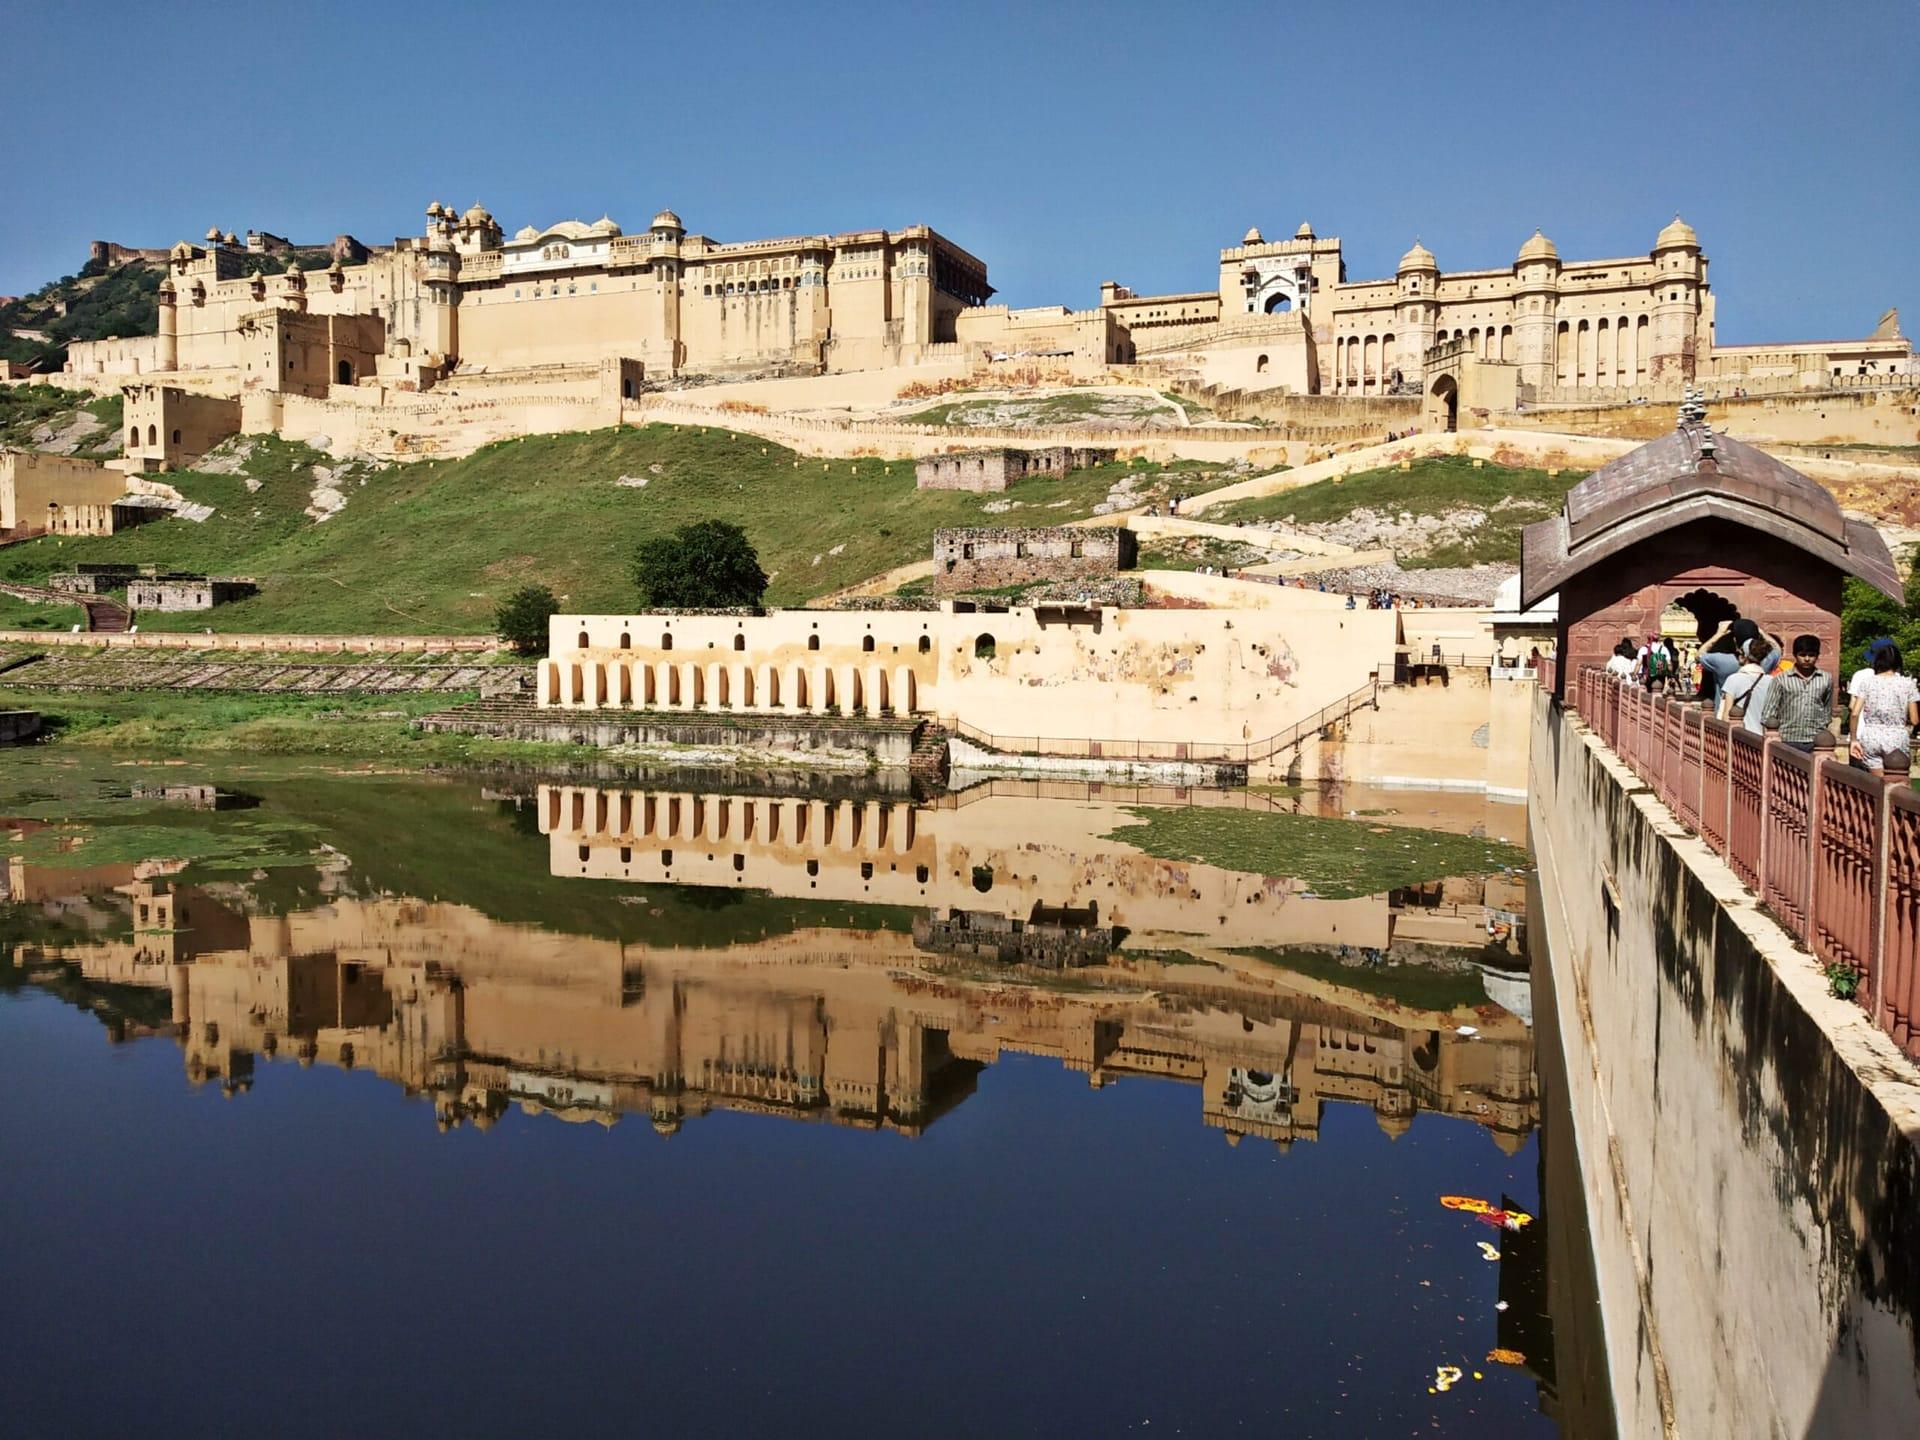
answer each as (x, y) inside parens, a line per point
(1064, 144)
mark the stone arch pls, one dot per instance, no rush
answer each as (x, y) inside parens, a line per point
(1443, 404)
(625, 692)
(133, 437)
(1260, 365)
(343, 372)
(1708, 607)
(584, 641)
(153, 434)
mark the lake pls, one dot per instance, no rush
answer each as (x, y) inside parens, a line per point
(355, 1103)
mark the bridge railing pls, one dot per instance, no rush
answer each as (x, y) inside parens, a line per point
(1833, 852)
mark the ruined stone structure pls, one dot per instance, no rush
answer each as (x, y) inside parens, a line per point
(990, 559)
(992, 471)
(169, 427)
(186, 592)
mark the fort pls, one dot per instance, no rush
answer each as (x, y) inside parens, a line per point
(464, 333)
(992, 471)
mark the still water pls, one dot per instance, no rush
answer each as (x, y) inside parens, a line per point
(349, 1104)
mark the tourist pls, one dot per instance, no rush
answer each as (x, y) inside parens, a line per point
(1737, 688)
(1885, 709)
(1799, 703)
(1656, 666)
(1724, 651)
(1865, 672)
(1621, 665)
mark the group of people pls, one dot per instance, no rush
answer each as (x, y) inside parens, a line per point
(1740, 671)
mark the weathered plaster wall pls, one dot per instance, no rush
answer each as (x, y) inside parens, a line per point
(1749, 1145)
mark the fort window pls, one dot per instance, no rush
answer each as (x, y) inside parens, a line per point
(626, 641)
(813, 867)
(926, 644)
(1260, 366)
(626, 854)
(345, 372)
(983, 647)
(666, 858)
(813, 642)
(666, 642)
(153, 435)
(739, 863)
(739, 642)
(133, 432)
(584, 642)
(866, 644)
(586, 854)
(176, 437)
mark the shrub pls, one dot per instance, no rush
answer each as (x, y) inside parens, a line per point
(522, 618)
(709, 564)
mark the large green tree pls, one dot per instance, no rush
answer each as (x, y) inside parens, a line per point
(522, 618)
(707, 565)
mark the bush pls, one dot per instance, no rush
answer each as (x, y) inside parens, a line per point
(522, 618)
(708, 565)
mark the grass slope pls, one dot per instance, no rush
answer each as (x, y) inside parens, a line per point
(432, 547)
(1511, 497)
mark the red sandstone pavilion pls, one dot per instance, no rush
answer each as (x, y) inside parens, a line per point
(1719, 529)
(1706, 523)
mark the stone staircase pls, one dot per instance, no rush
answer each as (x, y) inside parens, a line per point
(929, 763)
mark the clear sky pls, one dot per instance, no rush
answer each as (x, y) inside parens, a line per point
(1062, 143)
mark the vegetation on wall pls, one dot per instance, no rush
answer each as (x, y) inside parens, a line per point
(102, 302)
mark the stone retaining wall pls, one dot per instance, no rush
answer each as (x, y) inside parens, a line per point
(1749, 1145)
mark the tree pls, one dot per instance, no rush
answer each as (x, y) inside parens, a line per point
(522, 618)
(1865, 613)
(708, 565)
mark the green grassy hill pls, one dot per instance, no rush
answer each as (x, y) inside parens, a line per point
(431, 547)
(1509, 498)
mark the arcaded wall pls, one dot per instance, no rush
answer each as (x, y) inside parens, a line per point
(1749, 1145)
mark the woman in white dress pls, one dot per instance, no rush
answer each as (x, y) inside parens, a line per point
(1886, 707)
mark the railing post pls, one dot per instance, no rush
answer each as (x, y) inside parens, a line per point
(1877, 947)
(1816, 803)
(1766, 809)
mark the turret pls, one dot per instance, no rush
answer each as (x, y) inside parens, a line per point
(169, 325)
(1677, 272)
(1536, 307)
(1416, 310)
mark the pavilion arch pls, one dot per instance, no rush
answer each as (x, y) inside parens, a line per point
(579, 684)
(553, 681)
(599, 684)
(1443, 404)
(772, 700)
(801, 690)
(746, 687)
(625, 693)
(1709, 608)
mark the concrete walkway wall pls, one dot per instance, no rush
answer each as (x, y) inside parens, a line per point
(1749, 1145)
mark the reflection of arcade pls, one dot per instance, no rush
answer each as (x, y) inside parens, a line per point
(992, 869)
(848, 1026)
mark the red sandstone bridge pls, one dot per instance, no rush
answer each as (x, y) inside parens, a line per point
(1832, 852)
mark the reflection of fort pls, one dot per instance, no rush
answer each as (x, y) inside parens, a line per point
(991, 862)
(851, 1026)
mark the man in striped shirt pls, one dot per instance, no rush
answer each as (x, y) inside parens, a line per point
(1800, 702)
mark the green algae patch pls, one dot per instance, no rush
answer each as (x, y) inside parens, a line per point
(1338, 859)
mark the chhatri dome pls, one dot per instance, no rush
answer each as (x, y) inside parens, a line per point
(1539, 248)
(1677, 234)
(1305, 232)
(477, 215)
(1253, 236)
(1418, 258)
(667, 220)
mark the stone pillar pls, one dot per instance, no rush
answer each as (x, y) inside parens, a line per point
(169, 348)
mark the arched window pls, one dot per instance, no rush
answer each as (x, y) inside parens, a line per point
(344, 372)
(984, 647)
(813, 642)
(176, 437)
(153, 434)
(584, 642)
(926, 644)
(1260, 366)
(133, 436)
(866, 644)
(626, 641)
(739, 642)
(666, 642)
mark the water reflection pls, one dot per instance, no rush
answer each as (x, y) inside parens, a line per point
(1270, 1001)
(761, 974)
